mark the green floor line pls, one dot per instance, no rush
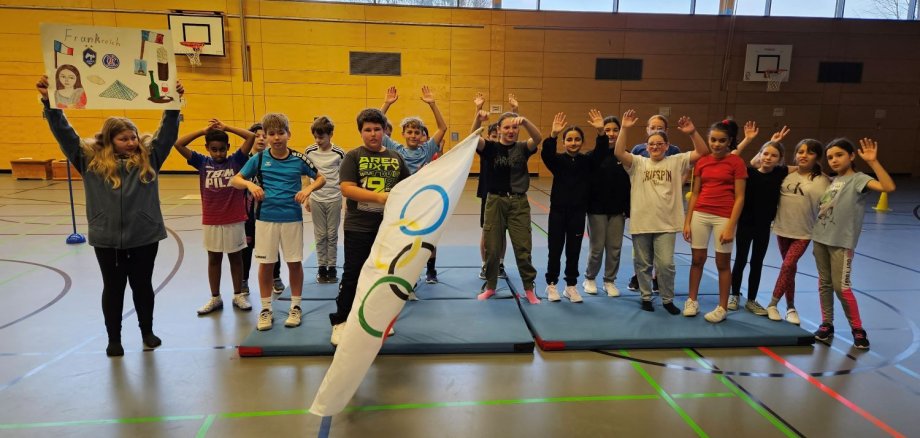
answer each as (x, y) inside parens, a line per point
(664, 395)
(203, 430)
(541, 230)
(209, 419)
(747, 399)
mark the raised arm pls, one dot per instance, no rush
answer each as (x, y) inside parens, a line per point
(389, 99)
(513, 104)
(548, 152)
(535, 136)
(629, 120)
(700, 148)
(868, 151)
(183, 142)
(249, 138)
(750, 133)
(777, 137)
(428, 97)
(166, 135)
(66, 136)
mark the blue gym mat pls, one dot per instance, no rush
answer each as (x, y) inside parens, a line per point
(423, 327)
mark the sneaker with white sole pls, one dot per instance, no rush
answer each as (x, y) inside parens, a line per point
(501, 272)
(571, 292)
(773, 313)
(293, 319)
(792, 316)
(265, 320)
(611, 289)
(277, 286)
(755, 308)
(733, 302)
(590, 286)
(716, 316)
(691, 307)
(241, 301)
(337, 331)
(552, 293)
(244, 287)
(482, 272)
(633, 283)
(215, 303)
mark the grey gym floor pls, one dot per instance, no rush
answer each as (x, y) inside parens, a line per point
(55, 379)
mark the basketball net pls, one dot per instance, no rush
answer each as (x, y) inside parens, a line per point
(194, 57)
(774, 79)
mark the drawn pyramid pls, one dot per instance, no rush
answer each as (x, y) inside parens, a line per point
(118, 90)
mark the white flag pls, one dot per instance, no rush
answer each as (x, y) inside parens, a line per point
(413, 220)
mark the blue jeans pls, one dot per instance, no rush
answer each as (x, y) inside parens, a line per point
(657, 247)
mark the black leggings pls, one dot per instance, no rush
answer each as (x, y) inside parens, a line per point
(358, 246)
(759, 236)
(566, 230)
(120, 267)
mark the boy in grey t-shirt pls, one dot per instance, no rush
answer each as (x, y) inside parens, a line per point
(325, 205)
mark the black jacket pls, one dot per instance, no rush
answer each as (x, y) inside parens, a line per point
(610, 186)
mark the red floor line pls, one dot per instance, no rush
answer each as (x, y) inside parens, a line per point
(834, 394)
(543, 207)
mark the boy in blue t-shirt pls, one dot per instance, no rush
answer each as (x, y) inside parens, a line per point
(279, 218)
(223, 208)
(419, 149)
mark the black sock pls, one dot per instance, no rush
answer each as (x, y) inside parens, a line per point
(151, 340)
(114, 349)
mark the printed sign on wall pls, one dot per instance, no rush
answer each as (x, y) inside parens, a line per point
(95, 67)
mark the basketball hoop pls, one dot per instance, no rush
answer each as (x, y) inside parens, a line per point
(774, 79)
(194, 57)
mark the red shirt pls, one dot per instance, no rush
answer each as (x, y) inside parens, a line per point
(717, 192)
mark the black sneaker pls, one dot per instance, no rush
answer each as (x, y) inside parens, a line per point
(331, 275)
(482, 272)
(114, 349)
(633, 283)
(647, 306)
(431, 277)
(501, 271)
(671, 308)
(655, 285)
(825, 331)
(860, 340)
(151, 340)
(321, 276)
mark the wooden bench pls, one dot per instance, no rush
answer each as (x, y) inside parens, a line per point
(59, 171)
(27, 168)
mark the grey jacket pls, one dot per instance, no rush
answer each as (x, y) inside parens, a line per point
(129, 216)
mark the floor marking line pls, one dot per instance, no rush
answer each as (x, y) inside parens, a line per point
(324, 426)
(667, 398)
(759, 406)
(203, 431)
(11, 426)
(834, 394)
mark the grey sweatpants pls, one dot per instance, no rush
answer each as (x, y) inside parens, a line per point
(606, 236)
(326, 219)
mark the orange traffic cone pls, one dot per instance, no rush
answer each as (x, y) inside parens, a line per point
(882, 206)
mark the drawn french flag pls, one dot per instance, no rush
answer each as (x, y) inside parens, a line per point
(152, 37)
(59, 47)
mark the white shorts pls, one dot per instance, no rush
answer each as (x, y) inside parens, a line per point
(227, 238)
(705, 225)
(269, 235)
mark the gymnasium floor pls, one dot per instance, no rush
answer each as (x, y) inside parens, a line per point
(55, 379)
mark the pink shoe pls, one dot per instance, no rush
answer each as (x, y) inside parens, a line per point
(532, 297)
(485, 295)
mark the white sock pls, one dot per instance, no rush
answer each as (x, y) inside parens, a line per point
(266, 303)
(295, 301)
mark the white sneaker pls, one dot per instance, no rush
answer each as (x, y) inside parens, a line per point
(773, 313)
(733, 302)
(265, 320)
(215, 303)
(571, 292)
(717, 315)
(392, 332)
(611, 289)
(691, 307)
(552, 293)
(590, 286)
(241, 301)
(412, 296)
(337, 331)
(792, 316)
(293, 319)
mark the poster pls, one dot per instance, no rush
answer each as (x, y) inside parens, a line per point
(96, 67)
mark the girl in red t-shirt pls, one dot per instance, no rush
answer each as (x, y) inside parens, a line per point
(715, 205)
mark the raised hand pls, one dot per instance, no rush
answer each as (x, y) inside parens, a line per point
(518, 121)
(751, 130)
(868, 150)
(685, 124)
(629, 119)
(779, 135)
(42, 86)
(596, 119)
(483, 115)
(216, 124)
(512, 101)
(179, 88)
(558, 124)
(479, 100)
(427, 95)
(391, 96)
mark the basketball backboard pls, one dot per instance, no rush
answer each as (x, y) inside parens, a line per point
(762, 58)
(198, 26)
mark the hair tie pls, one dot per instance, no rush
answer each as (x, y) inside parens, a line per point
(725, 122)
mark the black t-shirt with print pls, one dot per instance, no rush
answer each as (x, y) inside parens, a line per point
(375, 171)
